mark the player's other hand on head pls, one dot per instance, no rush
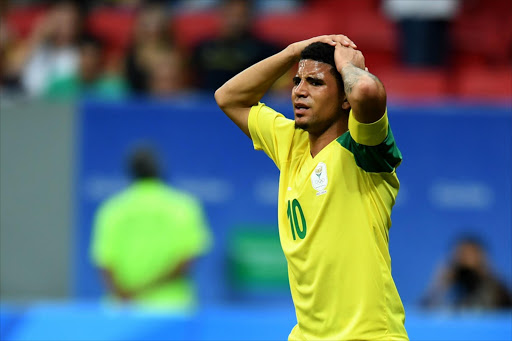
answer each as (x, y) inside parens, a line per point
(344, 55)
(331, 39)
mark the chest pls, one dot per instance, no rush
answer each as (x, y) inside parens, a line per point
(316, 196)
(309, 178)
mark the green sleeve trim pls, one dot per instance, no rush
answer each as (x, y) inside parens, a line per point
(384, 157)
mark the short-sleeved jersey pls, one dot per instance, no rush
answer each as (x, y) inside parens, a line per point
(334, 218)
(143, 232)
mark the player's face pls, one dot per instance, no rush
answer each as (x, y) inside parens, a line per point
(316, 97)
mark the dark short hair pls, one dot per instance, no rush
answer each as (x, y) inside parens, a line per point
(322, 52)
(143, 164)
(471, 239)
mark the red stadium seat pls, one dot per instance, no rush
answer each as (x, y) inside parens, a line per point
(364, 22)
(482, 33)
(343, 8)
(374, 34)
(288, 27)
(21, 20)
(414, 83)
(484, 83)
(190, 28)
(113, 26)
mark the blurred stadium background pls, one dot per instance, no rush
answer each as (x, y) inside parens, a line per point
(61, 156)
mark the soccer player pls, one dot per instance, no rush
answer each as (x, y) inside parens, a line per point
(337, 163)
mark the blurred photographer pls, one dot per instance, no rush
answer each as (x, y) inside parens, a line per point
(468, 282)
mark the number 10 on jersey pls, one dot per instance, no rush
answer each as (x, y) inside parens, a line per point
(293, 210)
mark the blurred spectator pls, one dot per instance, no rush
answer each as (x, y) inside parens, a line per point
(125, 4)
(8, 42)
(424, 29)
(146, 237)
(90, 79)
(51, 51)
(260, 5)
(467, 282)
(216, 61)
(151, 36)
(166, 74)
(133, 4)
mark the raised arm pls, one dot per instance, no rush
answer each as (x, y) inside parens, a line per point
(240, 93)
(364, 91)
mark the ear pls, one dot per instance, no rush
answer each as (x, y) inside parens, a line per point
(345, 105)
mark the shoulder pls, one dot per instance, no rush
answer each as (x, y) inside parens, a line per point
(261, 109)
(182, 199)
(112, 206)
(264, 119)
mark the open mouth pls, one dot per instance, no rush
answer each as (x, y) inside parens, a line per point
(300, 108)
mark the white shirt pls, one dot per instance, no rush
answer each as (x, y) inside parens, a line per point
(45, 64)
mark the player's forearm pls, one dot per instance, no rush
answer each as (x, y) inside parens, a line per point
(248, 87)
(177, 271)
(114, 287)
(364, 92)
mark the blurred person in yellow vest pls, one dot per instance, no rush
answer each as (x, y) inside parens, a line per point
(146, 237)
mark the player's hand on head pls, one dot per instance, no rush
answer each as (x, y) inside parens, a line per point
(344, 55)
(331, 39)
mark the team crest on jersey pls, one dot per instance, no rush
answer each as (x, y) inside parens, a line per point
(319, 178)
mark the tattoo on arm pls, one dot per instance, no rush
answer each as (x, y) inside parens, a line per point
(351, 75)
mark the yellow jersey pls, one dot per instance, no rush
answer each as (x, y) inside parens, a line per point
(334, 218)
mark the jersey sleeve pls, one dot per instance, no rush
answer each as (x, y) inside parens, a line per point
(271, 132)
(372, 144)
(368, 134)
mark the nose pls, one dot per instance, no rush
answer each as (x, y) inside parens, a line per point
(300, 90)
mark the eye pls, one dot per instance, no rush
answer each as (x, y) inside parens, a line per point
(296, 81)
(317, 82)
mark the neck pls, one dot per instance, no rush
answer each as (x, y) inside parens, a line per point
(317, 142)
